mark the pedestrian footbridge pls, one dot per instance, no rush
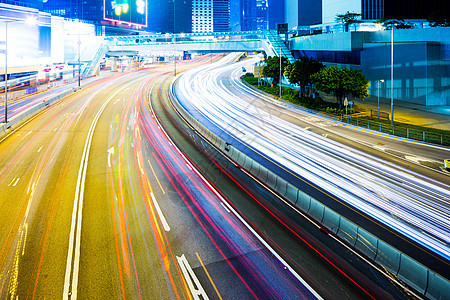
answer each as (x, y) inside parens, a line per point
(267, 41)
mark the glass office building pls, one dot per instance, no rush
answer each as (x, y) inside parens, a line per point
(76, 9)
(210, 15)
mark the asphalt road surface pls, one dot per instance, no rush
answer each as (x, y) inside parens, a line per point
(98, 203)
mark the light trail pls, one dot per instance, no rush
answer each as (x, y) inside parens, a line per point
(405, 201)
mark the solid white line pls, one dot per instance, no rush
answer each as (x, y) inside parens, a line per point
(161, 216)
(223, 205)
(268, 247)
(78, 207)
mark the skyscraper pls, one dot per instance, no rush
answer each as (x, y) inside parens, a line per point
(26, 3)
(276, 13)
(377, 9)
(76, 9)
(303, 12)
(210, 15)
(254, 15)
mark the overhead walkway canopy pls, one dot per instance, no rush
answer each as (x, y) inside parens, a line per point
(230, 41)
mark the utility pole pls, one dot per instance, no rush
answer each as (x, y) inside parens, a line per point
(280, 71)
(392, 75)
(79, 62)
(6, 74)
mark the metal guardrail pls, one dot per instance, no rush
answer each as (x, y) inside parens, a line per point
(406, 132)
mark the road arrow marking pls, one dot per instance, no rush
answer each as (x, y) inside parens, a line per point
(110, 153)
(192, 281)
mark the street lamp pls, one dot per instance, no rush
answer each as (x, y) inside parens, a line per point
(392, 75)
(378, 114)
(174, 55)
(79, 62)
(29, 21)
(280, 70)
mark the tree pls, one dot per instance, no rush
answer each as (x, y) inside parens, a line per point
(348, 19)
(272, 69)
(341, 83)
(438, 19)
(394, 23)
(301, 70)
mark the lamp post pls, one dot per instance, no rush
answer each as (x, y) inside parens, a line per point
(280, 72)
(174, 56)
(79, 62)
(174, 45)
(378, 113)
(392, 76)
(29, 21)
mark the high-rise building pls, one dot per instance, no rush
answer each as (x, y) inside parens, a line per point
(303, 12)
(25, 3)
(221, 15)
(181, 9)
(276, 13)
(254, 15)
(377, 9)
(202, 16)
(76, 9)
(210, 15)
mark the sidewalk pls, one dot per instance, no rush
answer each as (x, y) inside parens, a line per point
(437, 117)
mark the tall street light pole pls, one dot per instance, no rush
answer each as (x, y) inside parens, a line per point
(174, 45)
(5, 107)
(392, 76)
(280, 71)
(79, 62)
(378, 114)
(174, 55)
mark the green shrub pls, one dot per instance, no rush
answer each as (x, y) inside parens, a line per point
(251, 80)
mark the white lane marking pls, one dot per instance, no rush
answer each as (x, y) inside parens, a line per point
(223, 205)
(418, 159)
(110, 154)
(268, 247)
(117, 100)
(76, 220)
(11, 181)
(161, 216)
(40, 149)
(192, 280)
(55, 129)
(16, 181)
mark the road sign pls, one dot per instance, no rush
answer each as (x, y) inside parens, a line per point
(345, 101)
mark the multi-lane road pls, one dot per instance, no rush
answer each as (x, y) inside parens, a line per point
(97, 202)
(410, 199)
(104, 196)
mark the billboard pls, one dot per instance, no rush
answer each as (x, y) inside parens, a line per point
(131, 12)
